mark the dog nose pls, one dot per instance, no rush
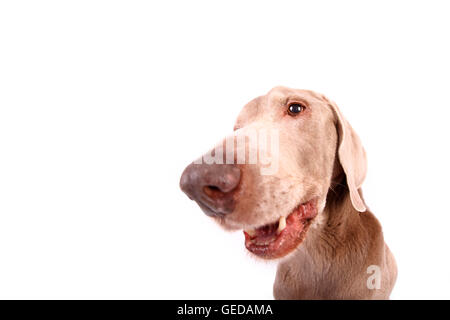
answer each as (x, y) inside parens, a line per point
(212, 186)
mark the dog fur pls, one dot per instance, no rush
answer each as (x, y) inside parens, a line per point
(320, 157)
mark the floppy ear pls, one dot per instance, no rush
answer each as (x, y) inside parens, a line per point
(352, 157)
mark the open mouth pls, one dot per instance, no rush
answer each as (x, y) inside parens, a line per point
(276, 240)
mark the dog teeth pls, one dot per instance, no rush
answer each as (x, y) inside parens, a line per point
(251, 232)
(281, 224)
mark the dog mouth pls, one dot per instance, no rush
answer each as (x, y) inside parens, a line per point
(278, 239)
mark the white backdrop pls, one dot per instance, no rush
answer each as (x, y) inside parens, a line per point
(103, 104)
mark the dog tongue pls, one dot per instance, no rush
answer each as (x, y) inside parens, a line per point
(267, 243)
(266, 234)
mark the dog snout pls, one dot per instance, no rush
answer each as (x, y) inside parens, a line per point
(212, 186)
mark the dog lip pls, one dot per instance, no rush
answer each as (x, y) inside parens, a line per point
(209, 211)
(269, 242)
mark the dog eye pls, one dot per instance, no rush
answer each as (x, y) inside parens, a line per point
(295, 108)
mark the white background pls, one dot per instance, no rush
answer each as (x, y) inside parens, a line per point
(103, 104)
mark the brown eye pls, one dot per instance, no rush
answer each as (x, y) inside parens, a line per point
(295, 109)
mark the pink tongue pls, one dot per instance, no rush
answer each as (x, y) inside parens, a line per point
(266, 234)
(267, 230)
(262, 240)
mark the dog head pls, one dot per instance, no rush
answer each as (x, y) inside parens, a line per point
(271, 177)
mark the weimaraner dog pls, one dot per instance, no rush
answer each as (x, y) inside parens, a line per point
(307, 211)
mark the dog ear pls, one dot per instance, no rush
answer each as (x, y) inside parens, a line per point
(352, 157)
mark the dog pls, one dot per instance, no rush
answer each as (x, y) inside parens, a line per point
(309, 213)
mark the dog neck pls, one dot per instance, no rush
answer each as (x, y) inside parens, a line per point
(332, 244)
(336, 221)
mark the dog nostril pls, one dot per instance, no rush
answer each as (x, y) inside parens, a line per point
(212, 191)
(213, 187)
